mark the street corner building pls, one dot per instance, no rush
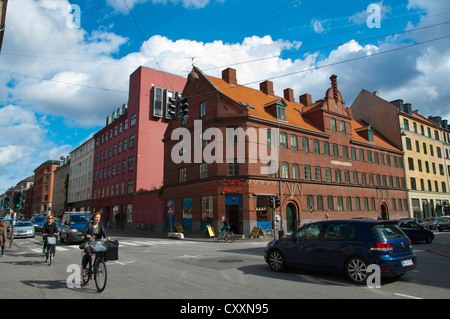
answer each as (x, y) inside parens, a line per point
(128, 153)
(326, 162)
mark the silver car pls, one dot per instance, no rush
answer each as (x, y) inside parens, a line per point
(22, 229)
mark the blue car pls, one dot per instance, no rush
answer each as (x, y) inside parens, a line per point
(345, 246)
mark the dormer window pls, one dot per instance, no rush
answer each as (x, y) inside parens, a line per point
(370, 133)
(281, 112)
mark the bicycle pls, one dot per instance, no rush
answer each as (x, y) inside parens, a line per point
(228, 236)
(50, 251)
(98, 269)
(267, 233)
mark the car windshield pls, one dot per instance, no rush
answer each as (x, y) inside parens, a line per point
(40, 219)
(388, 231)
(23, 224)
(446, 219)
(80, 219)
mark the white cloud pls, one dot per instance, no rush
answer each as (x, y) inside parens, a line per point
(121, 7)
(317, 26)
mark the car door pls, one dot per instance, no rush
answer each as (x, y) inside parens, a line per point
(413, 230)
(302, 249)
(338, 243)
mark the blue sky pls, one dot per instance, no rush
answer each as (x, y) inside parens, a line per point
(58, 81)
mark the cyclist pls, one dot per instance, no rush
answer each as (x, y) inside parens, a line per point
(49, 229)
(226, 226)
(93, 231)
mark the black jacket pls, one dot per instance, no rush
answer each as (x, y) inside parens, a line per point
(50, 229)
(89, 230)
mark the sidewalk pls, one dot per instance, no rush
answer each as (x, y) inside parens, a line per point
(111, 232)
(441, 250)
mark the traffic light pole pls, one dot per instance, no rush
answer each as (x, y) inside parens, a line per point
(13, 227)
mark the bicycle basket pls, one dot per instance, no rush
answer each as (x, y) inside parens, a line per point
(112, 252)
(97, 247)
(51, 240)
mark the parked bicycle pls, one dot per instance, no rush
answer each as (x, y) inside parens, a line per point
(227, 236)
(50, 248)
(97, 268)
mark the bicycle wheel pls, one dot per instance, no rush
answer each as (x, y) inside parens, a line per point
(217, 238)
(48, 255)
(100, 275)
(230, 238)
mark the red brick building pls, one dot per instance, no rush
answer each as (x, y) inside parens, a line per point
(128, 155)
(43, 188)
(329, 163)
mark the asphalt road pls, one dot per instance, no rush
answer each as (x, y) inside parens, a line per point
(159, 268)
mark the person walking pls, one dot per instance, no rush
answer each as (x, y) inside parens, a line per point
(3, 237)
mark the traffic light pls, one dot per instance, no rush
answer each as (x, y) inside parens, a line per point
(6, 202)
(172, 107)
(270, 203)
(277, 201)
(183, 104)
(17, 200)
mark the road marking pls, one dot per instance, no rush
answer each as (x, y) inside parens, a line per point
(128, 243)
(406, 296)
(337, 283)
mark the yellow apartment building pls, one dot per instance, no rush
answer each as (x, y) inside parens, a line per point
(426, 169)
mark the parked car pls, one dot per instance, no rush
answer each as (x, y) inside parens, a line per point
(38, 222)
(415, 231)
(431, 222)
(22, 229)
(444, 224)
(72, 225)
(345, 246)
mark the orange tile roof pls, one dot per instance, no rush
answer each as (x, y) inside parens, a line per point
(378, 140)
(259, 100)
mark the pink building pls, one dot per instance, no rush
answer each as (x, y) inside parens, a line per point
(129, 152)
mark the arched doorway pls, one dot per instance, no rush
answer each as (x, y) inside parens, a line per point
(384, 212)
(291, 217)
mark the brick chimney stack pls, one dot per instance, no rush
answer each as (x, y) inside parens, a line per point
(267, 88)
(289, 95)
(306, 99)
(229, 76)
(333, 79)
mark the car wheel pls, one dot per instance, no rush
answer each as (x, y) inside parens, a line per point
(276, 260)
(356, 270)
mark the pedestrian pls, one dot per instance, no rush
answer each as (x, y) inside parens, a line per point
(326, 217)
(3, 237)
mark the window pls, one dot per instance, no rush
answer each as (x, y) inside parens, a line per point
(343, 129)
(294, 145)
(130, 186)
(284, 170)
(310, 202)
(157, 102)
(330, 203)
(182, 174)
(131, 163)
(326, 148)
(202, 109)
(132, 137)
(328, 174)
(318, 173)
(311, 232)
(339, 231)
(281, 112)
(283, 140)
(316, 146)
(133, 120)
(320, 203)
(349, 203)
(295, 171)
(203, 170)
(411, 163)
(353, 152)
(337, 175)
(305, 144)
(413, 184)
(307, 172)
(335, 150)
(406, 124)
(333, 124)
(340, 203)
(233, 168)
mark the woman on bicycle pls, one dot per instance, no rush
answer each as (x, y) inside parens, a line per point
(226, 226)
(49, 229)
(93, 231)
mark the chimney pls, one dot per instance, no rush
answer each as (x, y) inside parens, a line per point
(306, 99)
(229, 76)
(333, 79)
(376, 93)
(267, 88)
(289, 95)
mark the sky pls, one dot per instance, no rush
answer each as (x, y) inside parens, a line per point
(65, 65)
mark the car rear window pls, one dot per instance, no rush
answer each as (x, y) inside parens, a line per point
(388, 231)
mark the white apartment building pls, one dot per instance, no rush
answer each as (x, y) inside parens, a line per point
(80, 177)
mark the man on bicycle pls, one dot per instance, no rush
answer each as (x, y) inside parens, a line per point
(49, 229)
(226, 226)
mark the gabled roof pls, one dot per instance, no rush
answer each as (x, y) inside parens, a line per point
(358, 127)
(259, 100)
